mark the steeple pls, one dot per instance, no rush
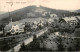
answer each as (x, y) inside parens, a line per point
(10, 20)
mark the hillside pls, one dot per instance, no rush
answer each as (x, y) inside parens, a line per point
(32, 12)
(77, 11)
(1, 12)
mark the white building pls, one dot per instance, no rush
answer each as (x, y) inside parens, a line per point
(14, 27)
(71, 20)
(50, 20)
(53, 15)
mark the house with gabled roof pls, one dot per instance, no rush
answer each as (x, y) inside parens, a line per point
(71, 20)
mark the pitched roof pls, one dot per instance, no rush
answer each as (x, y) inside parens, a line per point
(69, 18)
(9, 26)
(13, 23)
(78, 17)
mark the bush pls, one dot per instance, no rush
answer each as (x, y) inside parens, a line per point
(51, 30)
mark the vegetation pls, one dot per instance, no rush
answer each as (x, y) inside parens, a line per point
(77, 32)
(56, 26)
(31, 10)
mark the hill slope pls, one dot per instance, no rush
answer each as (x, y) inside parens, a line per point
(77, 11)
(32, 11)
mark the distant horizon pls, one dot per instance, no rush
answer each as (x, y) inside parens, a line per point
(39, 6)
(2, 12)
(11, 5)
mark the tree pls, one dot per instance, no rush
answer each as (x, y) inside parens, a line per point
(51, 29)
(77, 32)
(60, 45)
(27, 27)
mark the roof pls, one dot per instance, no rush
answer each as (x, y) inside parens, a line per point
(9, 26)
(13, 23)
(78, 17)
(69, 18)
(50, 20)
(32, 20)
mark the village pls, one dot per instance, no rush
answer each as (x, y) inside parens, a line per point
(34, 24)
(39, 25)
(47, 32)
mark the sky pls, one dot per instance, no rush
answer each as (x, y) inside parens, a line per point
(11, 5)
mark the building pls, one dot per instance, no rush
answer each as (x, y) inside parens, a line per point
(71, 20)
(14, 27)
(53, 15)
(37, 24)
(50, 20)
(40, 23)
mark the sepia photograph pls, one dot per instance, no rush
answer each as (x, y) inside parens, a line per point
(39, 25)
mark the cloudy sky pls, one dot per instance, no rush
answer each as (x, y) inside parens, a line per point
(11, 5)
